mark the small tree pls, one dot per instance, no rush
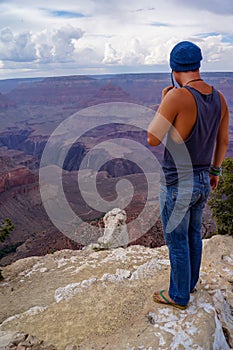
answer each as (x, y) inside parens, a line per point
(221, 201)
(6, 227)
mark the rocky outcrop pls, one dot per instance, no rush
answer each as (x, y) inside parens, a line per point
(115, 229)
(103, 300)
(13, 175)
(18, 158)
(22, 341)
(23, 140)
(16, 177)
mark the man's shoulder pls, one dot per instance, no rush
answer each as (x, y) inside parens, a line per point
(177, 94)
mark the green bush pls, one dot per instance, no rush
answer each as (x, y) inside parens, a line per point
(221, 200)
(9, 249)
(6, 227)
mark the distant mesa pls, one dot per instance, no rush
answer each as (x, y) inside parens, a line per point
(113, 92)
(109, 92)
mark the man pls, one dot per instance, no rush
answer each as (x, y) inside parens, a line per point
(195, 120)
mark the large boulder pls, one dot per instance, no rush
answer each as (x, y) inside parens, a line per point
(115, 229)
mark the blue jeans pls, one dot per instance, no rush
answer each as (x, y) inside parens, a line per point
(184, 205)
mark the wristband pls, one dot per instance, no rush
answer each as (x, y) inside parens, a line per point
(216, 171)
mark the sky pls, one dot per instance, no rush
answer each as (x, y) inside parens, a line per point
(54, 38)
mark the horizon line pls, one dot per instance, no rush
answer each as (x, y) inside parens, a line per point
(106, 74)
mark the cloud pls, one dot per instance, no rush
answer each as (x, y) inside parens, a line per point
(88, 57)
(135, 53)
(45, 46)
(16, 47)
(205, 35)
(115, 36)
(145, 9)
(110, 55)
(213, 48)
(158, 54)
(57, 45)
(223, 7)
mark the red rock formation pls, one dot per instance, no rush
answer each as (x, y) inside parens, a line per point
(13, 175)
(16, 177)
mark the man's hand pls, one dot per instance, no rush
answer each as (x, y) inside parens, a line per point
(214, 181)
(166, 89)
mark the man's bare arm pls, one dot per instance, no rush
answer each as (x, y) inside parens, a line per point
(163, 118)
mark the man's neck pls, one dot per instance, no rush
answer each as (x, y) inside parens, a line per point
(189, 77)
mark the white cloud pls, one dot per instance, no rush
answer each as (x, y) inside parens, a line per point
(16, 47)
(158, 53)
(111, 56)
(216, 54)
(57, 45)
(135, 53)
(46, 46)
(88, 57)
(63, 47)
(109, 35)
(213, 48)
(215, 6)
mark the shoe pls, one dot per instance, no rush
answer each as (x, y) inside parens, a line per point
(158, 297)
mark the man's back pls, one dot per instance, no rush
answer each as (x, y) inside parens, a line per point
(182, 104)
(178, 109)
(198, 130)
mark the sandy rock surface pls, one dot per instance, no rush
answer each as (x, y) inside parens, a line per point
(103, 300)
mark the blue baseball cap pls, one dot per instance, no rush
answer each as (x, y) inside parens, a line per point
(185, 56)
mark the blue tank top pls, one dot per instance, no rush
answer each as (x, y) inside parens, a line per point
(195, 153)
